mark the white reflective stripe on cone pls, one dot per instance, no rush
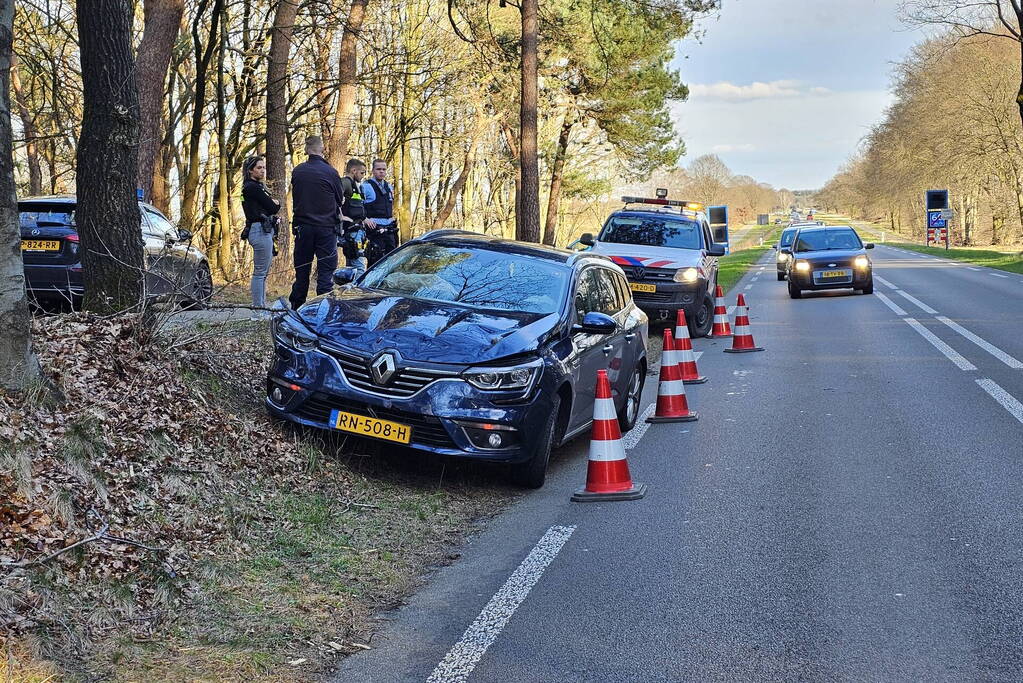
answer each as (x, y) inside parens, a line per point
(741, 331)
(607, 450)
(672, 387)
(604, 409)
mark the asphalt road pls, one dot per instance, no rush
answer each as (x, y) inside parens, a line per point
(847, 507)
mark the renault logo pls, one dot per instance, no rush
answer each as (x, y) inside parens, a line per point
(382, 368)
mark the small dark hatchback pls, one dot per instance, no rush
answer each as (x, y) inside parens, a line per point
(464, 345)
(828, 257)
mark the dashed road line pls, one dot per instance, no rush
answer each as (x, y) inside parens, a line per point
(921, 304)
(461, 660)
(997, 275)
(631, 439)
(884, 282)
(976, 269)
(890, 304)
(982, 343)
(1008, 401)
(949, 352)
(749, 286)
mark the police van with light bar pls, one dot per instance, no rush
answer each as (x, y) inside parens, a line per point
(668, 249)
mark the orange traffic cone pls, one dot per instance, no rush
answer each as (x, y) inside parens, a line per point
(607, 474)
(721, 327)
(672, 405)
(742, 340)
(684, 352)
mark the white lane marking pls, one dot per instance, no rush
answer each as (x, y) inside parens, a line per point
(1008, 401)
(749, 286)
(990, 348)
(997, 275)
(976, 269)
(890, 304)
(921, 304)
(884, 282)
(461, 660)
(949, 352)
(631, 440)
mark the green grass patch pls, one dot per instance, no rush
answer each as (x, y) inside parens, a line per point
(732, 267)
(1010, 260)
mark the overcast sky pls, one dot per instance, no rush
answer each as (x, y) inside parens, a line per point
(783, 90)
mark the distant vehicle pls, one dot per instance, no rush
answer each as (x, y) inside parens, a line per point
(667, 250)
(465, 345)
(777, 221)
(175, 270)
(782, 258)
(828, 257)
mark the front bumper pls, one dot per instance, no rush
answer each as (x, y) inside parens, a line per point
(860, 278)
(312, 385)
(669, 298)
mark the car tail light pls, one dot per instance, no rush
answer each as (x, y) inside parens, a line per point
(73, 237)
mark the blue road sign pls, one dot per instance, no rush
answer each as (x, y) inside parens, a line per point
(934, 220)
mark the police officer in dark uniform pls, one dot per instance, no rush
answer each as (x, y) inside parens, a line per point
(317, 196)
(379, 200)
(353, 209)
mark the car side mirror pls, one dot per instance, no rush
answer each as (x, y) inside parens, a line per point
(716, 250)
(344, 276)
(184, 235)
(587, 239)
(774, 246)
(786, 250)
(596, 323)
(868, 245)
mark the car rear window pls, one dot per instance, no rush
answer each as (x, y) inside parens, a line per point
(481, 278)
(827, 240)
(652, 231)
(46, 215)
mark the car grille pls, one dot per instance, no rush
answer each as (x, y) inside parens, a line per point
(651, 274)
(426, 430)
(661, 297)
(404, 383)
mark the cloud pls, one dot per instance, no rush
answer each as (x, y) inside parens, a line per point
(757, 90)
(724, 149)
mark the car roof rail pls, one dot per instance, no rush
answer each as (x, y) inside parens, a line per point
(586, 254)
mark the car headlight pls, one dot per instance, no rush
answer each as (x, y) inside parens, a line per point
(293, 335)
(861, 261)
(803, 266)
(782, 258)
(687, 275)
(504, 378)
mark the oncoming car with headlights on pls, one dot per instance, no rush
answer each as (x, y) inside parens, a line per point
(463, 345)
(784, 242)
(828, 257)
(667, 251)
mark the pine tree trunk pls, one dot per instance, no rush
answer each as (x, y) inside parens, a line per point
(557, 175)
(18, 367)
(347, 74)
(163, 22)
(107, 212)
(277, 127)
(529, 197)
(28, 124)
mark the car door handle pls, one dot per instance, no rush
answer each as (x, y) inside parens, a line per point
(630, 336)
(608, 348)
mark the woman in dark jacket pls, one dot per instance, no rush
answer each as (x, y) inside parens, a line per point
(259, 206)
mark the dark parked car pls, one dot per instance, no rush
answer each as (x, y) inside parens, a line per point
(828, 257)
(464, 345)
(175, 270)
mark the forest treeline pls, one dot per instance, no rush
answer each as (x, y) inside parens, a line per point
(954, 123)
(430, 87)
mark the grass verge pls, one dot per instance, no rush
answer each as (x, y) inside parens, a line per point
(732, 267)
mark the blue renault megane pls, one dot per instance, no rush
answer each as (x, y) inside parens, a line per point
(465, 345)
